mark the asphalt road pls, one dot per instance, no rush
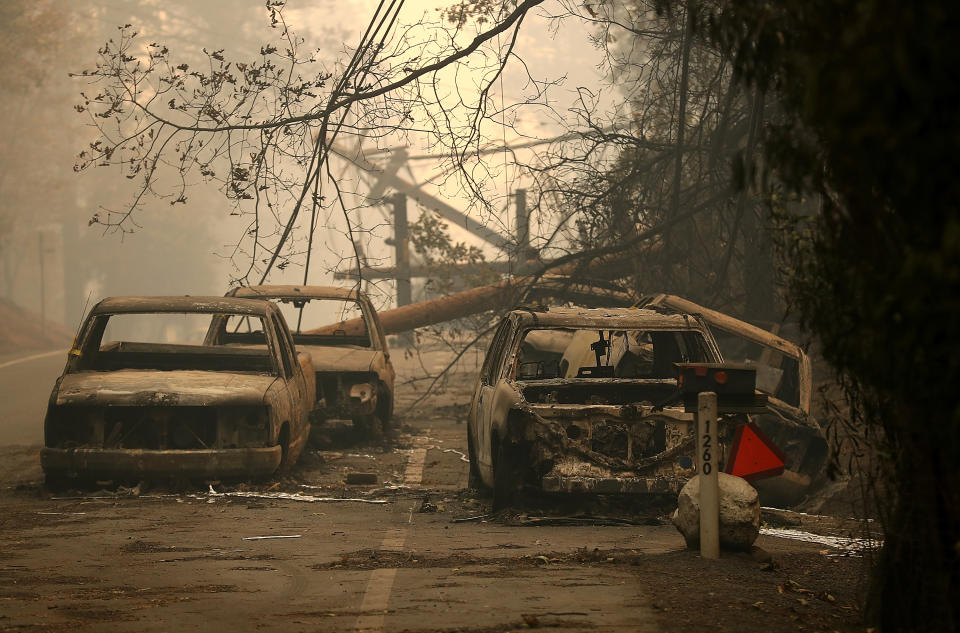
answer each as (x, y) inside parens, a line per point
(26, 379)
(415, 552)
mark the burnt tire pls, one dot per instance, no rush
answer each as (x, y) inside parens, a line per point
(319, 434)
(507, 478)
(474, 480)
(60, 482)
(369, 427)
(285, 460)
(385, 410)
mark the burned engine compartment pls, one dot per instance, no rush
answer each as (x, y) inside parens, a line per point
(157, 427)
(602, 435)
(603, 448)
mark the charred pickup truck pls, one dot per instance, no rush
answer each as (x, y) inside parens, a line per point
(574, 400)
(340, 330)
(131, 403)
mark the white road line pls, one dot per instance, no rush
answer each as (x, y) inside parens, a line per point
(25, 359)
(394, 540)
(376, 597)
(413, 474)
(375, 600)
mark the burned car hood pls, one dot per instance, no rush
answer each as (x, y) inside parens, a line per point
(164, 388)
(328, 358)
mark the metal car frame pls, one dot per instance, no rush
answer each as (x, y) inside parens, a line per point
(245, 423)
(515, 443)
(360, 390)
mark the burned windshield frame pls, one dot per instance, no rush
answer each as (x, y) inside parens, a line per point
(626, 353)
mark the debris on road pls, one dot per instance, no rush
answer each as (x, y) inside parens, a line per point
(577, 521)
(427, 506)
(530, 620)
(267, 538)
(291, 497)
(463, 457)
(479, 517)
(361, 479)
(848, 546)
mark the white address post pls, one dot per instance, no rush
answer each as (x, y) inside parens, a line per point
(709, 479)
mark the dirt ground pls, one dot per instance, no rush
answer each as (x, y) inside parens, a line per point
(414, 551)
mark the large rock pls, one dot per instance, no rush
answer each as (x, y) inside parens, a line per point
(739, 513)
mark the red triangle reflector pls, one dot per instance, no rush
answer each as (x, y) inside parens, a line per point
(754, 455)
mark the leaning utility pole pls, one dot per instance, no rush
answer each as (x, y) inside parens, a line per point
(523, 225)
(401, 245)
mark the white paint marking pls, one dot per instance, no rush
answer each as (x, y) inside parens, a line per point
(376, 597)
(25, 359)
(394, 540)
(375, 600)
(413, 474)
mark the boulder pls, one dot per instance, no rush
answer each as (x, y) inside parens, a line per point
(739, 513)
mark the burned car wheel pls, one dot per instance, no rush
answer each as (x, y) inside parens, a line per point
(61, 482)
(370, 427)
(285, 462)
(473, 479)
(385, 410)
(507, 476)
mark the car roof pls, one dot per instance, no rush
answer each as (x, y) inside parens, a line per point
(201, 304)
(603, 318)
(279, 291)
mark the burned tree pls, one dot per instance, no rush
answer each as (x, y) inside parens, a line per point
(262, 129)
(872, 128)
(667, 157)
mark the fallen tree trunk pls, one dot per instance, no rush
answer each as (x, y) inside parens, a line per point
(450, 307)
(432, 311)
(481, 299)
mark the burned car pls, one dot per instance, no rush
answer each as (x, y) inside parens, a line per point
(340, 330)
(574, 400)
(142, 394)
(583, 400)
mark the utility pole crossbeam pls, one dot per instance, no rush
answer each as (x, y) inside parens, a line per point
(446, 211)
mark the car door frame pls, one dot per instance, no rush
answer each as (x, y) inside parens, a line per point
(480, 422)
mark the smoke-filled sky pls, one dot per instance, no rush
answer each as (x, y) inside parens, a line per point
(184, 249)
